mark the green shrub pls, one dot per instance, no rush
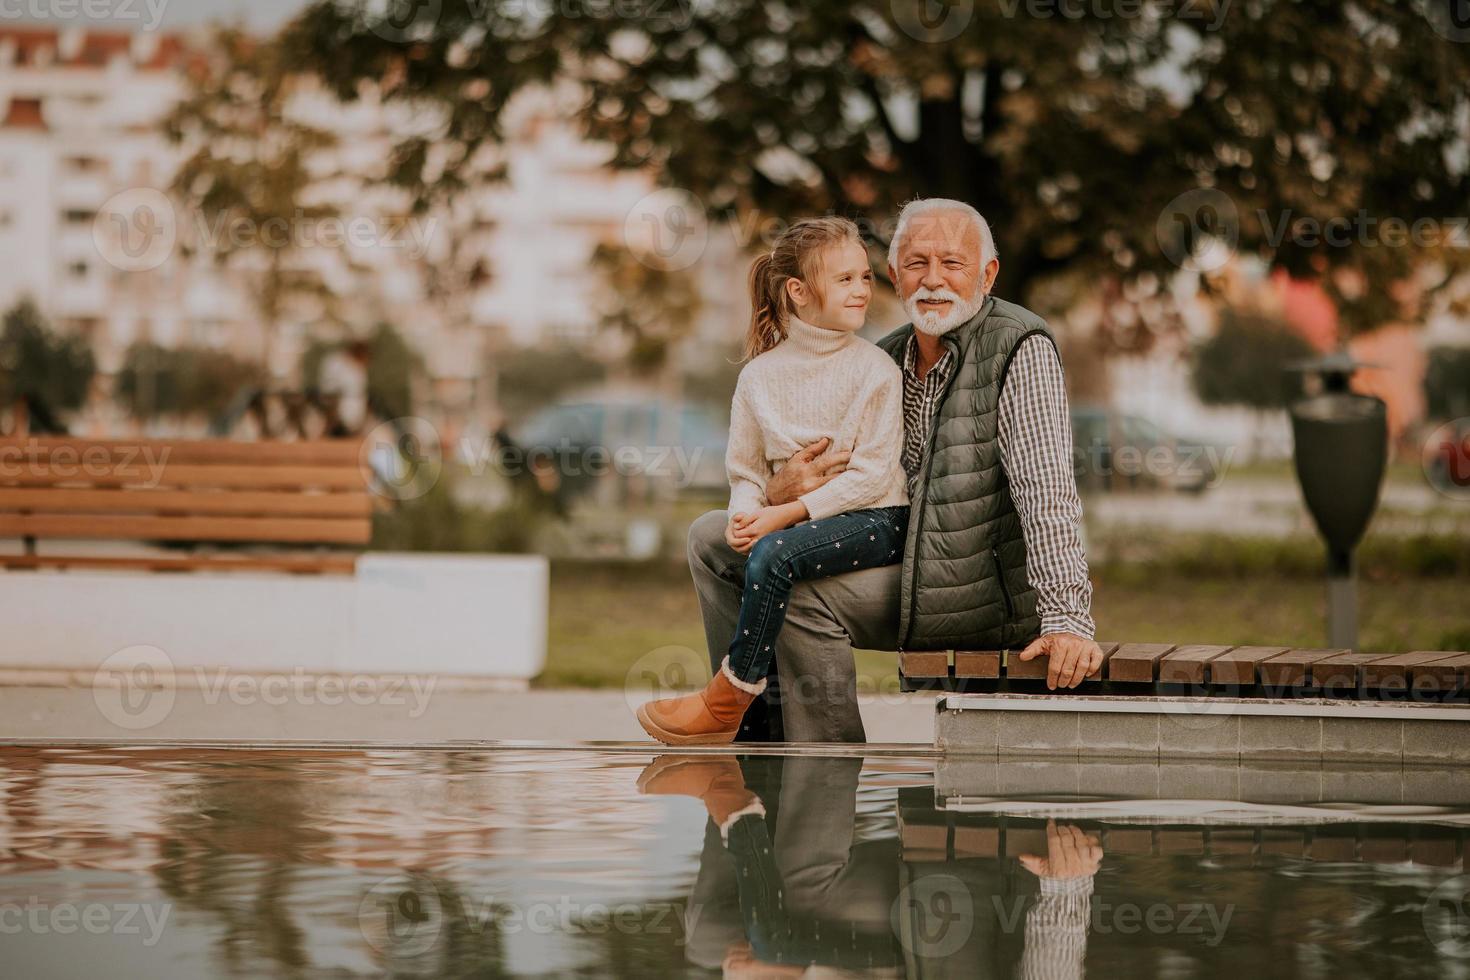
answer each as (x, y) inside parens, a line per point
(438, 522)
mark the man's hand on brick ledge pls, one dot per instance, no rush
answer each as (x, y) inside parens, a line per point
(1073, 657)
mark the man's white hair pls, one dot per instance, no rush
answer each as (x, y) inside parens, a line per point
(931, 205)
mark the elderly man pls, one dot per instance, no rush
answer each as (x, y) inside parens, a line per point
(994, 556)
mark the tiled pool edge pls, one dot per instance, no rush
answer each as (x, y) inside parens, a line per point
(1205, 728)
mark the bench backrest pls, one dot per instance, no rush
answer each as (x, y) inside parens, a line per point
(313, 493)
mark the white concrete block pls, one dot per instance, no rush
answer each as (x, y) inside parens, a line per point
(481, 615)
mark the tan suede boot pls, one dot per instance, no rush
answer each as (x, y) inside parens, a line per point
(714, 780)
(708, 717)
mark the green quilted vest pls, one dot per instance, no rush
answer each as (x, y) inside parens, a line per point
(964, 565)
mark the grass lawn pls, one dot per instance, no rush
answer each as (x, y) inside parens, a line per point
(610, 621)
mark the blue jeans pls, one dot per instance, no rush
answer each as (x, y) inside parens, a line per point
(810, 550)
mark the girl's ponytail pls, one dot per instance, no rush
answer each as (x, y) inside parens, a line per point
(796, 255)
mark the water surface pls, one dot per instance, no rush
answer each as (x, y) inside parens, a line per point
(535, 862)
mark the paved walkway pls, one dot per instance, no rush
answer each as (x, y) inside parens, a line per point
(245, 709)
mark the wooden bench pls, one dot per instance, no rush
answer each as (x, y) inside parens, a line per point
(1145, 669)
(223, 497)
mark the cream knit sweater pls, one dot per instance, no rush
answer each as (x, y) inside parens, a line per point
(816, 383)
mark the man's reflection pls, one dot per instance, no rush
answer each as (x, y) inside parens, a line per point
(788, 886)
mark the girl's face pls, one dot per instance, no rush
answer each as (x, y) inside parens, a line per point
(844, 284)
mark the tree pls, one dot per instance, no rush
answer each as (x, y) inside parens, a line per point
(159, 381)
(1247, 363)
(650, 308)
(1447, 382)
(249, 174)
(41, 373)
(392, 366)
(1074, 128)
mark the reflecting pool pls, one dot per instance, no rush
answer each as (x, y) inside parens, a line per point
(176, 862)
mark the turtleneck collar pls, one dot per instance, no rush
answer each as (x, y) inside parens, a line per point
(815, 340)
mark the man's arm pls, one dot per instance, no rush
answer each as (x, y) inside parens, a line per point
(1056, 927)
(1035, 441)
(805, 471)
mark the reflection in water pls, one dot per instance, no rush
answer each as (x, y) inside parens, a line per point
(540, 863)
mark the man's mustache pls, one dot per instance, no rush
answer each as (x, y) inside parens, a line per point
(923, 292)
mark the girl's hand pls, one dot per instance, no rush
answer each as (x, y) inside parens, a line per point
(735, 535)
(744, 530)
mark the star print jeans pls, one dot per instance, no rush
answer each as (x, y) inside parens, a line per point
(809, 550)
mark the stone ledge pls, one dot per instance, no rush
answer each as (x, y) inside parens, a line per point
(1066, 726)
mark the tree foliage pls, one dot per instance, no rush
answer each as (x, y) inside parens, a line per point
(49, 372)
(251, 170)
(1247, 362)
(393, 365)
(178, 382)
(1447, 382)
(1073, 127)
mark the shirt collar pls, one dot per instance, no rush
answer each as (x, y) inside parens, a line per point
(911, 353)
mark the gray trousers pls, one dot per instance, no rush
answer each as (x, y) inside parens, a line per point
(812, 696)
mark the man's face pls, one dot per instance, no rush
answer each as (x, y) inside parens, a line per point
(939, 274)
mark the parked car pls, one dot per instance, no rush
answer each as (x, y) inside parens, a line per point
(618, 445)
(1116, 451)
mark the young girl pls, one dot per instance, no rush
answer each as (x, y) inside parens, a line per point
(810, 376)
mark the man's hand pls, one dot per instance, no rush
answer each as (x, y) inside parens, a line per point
(744, 530)
(1069, 854)
(808, 469)
(1073, 657)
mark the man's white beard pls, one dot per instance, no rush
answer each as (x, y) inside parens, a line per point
(934, 323)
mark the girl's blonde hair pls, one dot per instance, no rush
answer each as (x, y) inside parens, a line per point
(797, 255)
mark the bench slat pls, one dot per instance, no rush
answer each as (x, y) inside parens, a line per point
(1186, 664)
(1442, 675)
(188, 476)
(977, 663)
(302, 564)
(315, 452)
(1136, 662)
(322, 530)
(1342, 672)
(924, 663)
(1393, 672)
(1239, 666)
(246, 503)
(1293, 668)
